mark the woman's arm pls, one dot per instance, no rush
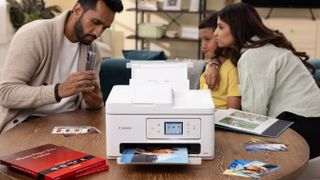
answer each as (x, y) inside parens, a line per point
(234, 102)
(212, 74)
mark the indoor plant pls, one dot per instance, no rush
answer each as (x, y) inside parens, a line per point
(29, 10)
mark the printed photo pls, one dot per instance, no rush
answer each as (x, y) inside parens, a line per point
(256, 144)
(252, 117)
(266, 147)
(261, 141)
(174, 5)
(74, 130)
(172, 2)
(257, 169)
(238, 123)
(155, 156)
(234, 166)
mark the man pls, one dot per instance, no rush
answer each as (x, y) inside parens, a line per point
(45, 71)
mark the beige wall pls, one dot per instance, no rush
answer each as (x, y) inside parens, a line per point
(64, 4)
(124, 25)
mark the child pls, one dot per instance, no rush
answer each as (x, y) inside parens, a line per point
(227, 95)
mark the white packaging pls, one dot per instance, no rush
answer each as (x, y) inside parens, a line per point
(189, 32)
(194, 6)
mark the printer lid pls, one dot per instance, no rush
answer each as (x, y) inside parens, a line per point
(158, 99)
(173, 74)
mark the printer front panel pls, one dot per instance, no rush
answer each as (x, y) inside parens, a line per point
(123, 129)
(173, 127)
(160, 129)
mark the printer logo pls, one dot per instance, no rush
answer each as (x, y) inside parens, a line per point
(124, 128)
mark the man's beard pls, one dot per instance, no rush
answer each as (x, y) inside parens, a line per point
(82, 37)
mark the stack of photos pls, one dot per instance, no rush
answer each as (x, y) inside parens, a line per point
(256, 144)
(254, 169)
(175, 155)
(74, 130)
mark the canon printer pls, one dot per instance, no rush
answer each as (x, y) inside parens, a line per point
(152, 115)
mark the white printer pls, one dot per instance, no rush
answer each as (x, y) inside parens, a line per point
(154, 115)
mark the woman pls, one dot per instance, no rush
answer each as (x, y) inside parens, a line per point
(274, 78)
(227, 94)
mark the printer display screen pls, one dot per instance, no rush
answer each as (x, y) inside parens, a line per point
(173, 128)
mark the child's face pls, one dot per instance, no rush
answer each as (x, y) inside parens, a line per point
(223, 35)
(208, 43)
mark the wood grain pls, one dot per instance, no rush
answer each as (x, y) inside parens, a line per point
(228, 147)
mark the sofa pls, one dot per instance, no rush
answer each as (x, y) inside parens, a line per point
(316, 64)
(115, 72)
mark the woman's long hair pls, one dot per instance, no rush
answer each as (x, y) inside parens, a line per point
(245, 23)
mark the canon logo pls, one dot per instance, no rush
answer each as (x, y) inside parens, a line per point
(124, 128)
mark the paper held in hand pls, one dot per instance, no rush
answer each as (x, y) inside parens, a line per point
(91, 59)
(246, 122)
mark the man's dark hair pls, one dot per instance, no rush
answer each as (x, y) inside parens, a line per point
(114, 5)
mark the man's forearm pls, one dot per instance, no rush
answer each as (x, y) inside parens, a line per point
(19, 96)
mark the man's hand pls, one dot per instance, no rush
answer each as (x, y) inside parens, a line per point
(93, 98)
(85, 83)
(76, 83)
(212, 76)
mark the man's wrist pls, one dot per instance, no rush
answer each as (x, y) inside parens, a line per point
(56, 92)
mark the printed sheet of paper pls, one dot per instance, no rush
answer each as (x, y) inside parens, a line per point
(161, 155)
(74, 130)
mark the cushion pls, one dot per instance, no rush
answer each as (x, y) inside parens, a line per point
(113, 72)
(144, 55)
(316, 64)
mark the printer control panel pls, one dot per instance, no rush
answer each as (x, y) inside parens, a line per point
(173, 128)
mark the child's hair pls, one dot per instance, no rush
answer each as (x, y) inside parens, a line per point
(211, 22)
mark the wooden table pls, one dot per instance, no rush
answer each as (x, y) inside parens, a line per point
(228, 147)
